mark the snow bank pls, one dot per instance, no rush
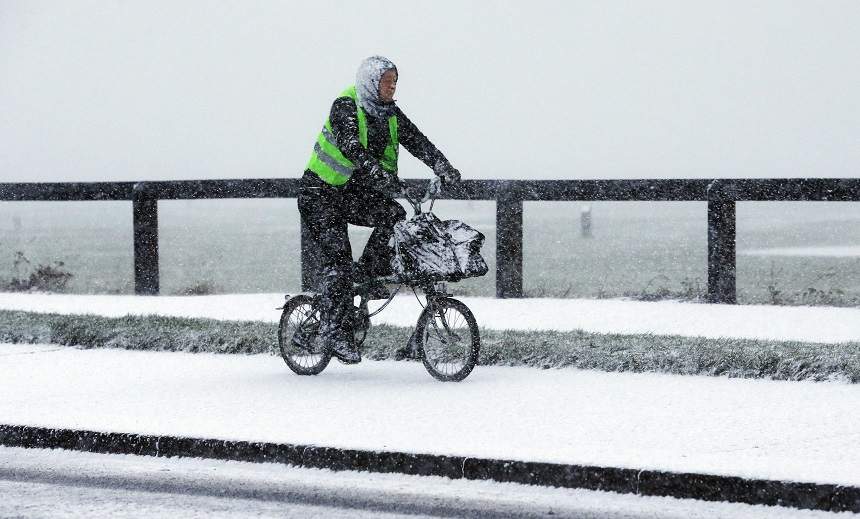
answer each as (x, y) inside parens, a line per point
(852, 251)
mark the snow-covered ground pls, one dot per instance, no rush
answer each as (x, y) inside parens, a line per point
(79, 484)
(851, 251)
(812, 324)
(755, 428)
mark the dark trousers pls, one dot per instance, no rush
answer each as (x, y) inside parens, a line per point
(326, 211)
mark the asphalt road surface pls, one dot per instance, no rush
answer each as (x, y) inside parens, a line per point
(43, 483)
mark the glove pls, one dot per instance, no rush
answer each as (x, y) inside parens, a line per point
(381, 179)
(434, 188)
(448, 173)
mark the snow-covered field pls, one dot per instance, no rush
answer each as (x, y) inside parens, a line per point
(811, 324)
(757, 428)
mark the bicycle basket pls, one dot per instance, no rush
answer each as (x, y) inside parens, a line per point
(429, 248)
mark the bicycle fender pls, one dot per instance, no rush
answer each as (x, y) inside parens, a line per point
(287, 297)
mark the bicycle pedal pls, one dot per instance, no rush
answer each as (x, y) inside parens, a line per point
(407, 353)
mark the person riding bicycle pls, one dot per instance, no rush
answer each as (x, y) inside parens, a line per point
(349, 180)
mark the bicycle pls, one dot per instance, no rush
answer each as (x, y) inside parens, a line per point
(446, 336)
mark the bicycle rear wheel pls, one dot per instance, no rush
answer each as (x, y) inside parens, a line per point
(301, 320)
(449, 339)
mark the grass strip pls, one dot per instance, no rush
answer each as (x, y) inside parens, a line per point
(740, 358)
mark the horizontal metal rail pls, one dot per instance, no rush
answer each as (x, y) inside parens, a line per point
(679, 190)
(721, 196)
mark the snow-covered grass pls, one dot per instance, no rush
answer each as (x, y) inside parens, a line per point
(780, 323)
(743, 358)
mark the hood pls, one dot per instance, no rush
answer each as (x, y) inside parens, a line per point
(367, 85)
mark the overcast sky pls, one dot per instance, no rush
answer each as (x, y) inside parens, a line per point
(133, 90)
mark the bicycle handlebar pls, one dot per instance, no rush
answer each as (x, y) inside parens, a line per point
(434, 187)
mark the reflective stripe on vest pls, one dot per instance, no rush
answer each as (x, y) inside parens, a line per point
(329, 162)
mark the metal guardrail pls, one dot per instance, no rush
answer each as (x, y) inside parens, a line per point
(721, 196)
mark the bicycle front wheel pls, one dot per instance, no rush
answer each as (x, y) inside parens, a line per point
(449, 339)
(298, 336)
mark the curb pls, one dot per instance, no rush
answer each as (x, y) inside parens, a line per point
(831, 498)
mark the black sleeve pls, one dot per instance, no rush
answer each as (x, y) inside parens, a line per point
(344, 123)
(417, 143)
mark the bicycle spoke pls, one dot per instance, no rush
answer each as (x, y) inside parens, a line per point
(300, 322)
(444, 346)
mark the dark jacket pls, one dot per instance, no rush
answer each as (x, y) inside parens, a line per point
(344, 123)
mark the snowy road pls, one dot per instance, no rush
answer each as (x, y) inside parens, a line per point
(811, 324)
(40, 483)
(796, 431)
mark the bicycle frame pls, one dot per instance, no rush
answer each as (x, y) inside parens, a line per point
(446, 338)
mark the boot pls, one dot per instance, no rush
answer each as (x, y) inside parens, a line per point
(345, 352)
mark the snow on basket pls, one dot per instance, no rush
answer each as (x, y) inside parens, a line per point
(429, 248)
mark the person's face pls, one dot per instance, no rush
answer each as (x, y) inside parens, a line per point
(387, 86)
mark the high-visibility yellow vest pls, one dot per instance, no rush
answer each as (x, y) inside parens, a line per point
(329, 162)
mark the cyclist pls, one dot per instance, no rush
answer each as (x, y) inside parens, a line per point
(348, 180)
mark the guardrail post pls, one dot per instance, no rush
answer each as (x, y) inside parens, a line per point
(721, 244)
(509, 241)
(309, 258)
(145, 222)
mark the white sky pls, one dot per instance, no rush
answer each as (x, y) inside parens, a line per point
(95, 90)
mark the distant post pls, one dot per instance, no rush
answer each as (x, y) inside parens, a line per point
(721, 243)
(509, 242)
(585, 221)
(145, 222)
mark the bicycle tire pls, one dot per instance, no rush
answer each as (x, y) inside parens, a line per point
(302, 311)
(439, 342)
